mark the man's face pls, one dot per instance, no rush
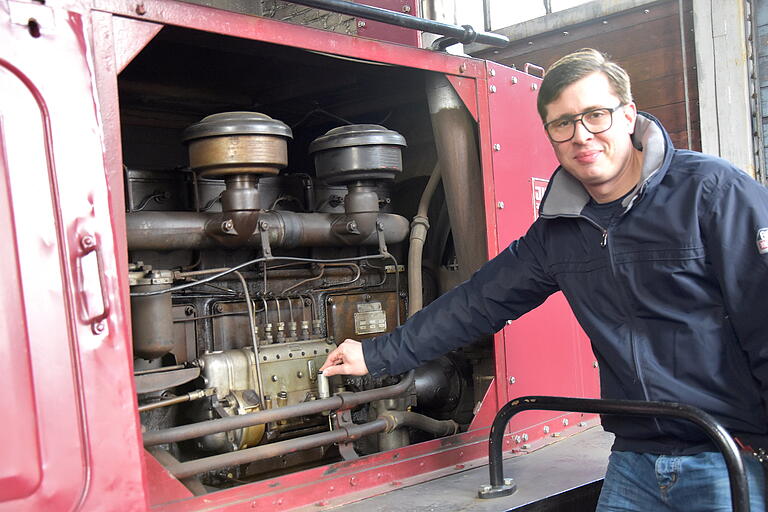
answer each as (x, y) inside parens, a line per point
(601, 162)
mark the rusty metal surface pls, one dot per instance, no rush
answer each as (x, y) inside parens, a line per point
(571, 463)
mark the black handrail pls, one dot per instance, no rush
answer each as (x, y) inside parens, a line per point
(725, 443)
(464, 34)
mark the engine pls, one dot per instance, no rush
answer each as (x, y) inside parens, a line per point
(243, 278)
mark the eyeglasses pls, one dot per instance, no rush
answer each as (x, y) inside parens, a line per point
(595, 121)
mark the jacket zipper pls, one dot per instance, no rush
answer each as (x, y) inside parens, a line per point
(628, 312)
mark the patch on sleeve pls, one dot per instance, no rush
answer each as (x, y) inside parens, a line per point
(762, 241)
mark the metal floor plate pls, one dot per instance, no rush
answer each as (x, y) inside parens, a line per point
(567, 464)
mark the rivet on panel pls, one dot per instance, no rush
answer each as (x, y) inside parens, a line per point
(492, 88)
(512, 380)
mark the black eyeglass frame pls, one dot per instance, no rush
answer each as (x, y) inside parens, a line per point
(580, 118)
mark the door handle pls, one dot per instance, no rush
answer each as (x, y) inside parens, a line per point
(92, 286)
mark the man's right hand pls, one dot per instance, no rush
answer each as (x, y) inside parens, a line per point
(346, 359)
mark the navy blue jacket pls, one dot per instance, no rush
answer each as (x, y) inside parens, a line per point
(673, 294)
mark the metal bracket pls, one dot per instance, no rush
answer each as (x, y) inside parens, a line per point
(380, 235)
(264, 232)
(342, 420)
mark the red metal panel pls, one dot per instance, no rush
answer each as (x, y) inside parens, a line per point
(20, 472)
(466, 88)
(386, 32)
(88, 432)
(545, 352)
(272, 31)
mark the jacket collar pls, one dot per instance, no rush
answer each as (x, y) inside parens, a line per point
(566, 196)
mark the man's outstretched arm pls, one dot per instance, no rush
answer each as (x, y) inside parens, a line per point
(346, 359)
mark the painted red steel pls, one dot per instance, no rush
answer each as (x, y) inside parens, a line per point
(76, 441)
(537, 352)
(384, 32)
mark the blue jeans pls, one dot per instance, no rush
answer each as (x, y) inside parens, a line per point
(643, 482)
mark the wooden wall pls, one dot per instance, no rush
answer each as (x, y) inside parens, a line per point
(646, 42)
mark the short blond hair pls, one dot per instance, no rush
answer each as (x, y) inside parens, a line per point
(575, 66)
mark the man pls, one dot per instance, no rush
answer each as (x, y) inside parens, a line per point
(663, 257)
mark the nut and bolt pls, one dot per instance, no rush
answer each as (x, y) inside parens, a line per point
(525, 437)
(463, 67)
(594, 364)
(512, 380)
(87, 242)
(140, 9)
(509, 322)
(518, 439)
(534, 87)
(361, 24)
(274, 378)
(565, 422)
(406, 8)
(492, 72)
(497, 147)
(500, 205)
(546, 429)
(513, 80)
(98, 327)
(492, 88)
(582, 424)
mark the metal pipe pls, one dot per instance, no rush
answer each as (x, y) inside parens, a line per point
(167, 231)
(252, 328)
(187, 397)
(440, 428)
(464, 34)
(339, 401)
(713, 429)
(454, 131)
(419, 227)
(344, 434)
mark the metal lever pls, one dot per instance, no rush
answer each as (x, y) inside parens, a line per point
(713, 429)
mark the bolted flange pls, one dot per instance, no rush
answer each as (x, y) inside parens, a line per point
(497, 491)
